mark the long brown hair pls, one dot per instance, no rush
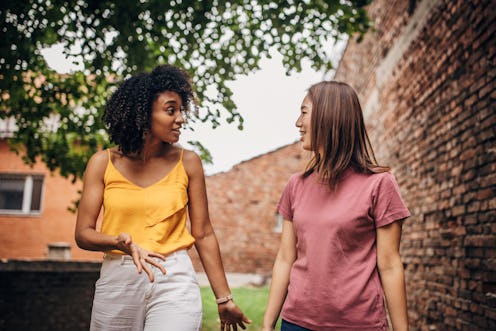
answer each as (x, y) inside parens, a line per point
(339, 137)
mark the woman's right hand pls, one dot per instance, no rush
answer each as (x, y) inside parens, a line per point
(141, 257)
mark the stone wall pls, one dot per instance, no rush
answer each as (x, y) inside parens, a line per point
(46, 295)
(426, 78)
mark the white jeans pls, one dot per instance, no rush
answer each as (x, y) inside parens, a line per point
(126, 300)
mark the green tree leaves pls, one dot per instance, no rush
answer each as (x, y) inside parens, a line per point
(58, 116)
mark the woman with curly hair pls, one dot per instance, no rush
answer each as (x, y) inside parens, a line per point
(339, 252)
(148, 186)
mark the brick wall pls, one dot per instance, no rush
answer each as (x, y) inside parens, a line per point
(242, 206)
(46, 295)
(28, 236)
(426, 78)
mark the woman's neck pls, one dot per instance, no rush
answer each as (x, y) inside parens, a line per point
(151, 150)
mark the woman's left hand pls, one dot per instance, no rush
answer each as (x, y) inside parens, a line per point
(231, 316)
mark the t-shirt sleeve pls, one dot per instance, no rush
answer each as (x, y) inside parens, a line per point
(284, 207)
(388, 206)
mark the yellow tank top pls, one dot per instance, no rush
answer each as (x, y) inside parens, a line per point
(155, 216)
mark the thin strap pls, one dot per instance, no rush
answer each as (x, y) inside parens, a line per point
(182, 152)
(107, 167)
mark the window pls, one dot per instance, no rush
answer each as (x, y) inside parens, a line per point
(20, 193)
(7, 127)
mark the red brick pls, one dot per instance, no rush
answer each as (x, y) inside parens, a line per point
(450, 145)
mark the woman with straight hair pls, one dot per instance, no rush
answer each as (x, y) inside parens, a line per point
(339, 252)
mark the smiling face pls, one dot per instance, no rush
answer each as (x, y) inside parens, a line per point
(303, 123)
(167, 117)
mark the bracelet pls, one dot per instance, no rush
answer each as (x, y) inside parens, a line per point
(224, 299)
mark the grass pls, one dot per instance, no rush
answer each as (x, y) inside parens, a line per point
(250, 299)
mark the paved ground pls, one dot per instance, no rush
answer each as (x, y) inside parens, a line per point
(236, 279)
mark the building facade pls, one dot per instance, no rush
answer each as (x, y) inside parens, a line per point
(426, 78)
(35, 221)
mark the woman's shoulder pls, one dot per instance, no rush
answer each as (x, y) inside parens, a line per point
(98, 162)
(189, 156)
(296, 179)
(383, 182)
(384, 176)
(296, 176)
(370, 180)
(191, 161)
(374, 174)
(100, 157)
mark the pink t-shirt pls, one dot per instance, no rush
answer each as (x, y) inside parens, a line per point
(334, 282)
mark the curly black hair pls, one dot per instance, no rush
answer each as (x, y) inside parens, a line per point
(128, 111)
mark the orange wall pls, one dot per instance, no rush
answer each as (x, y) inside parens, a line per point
(29, 236)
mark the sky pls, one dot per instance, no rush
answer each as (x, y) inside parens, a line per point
(268, 100)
